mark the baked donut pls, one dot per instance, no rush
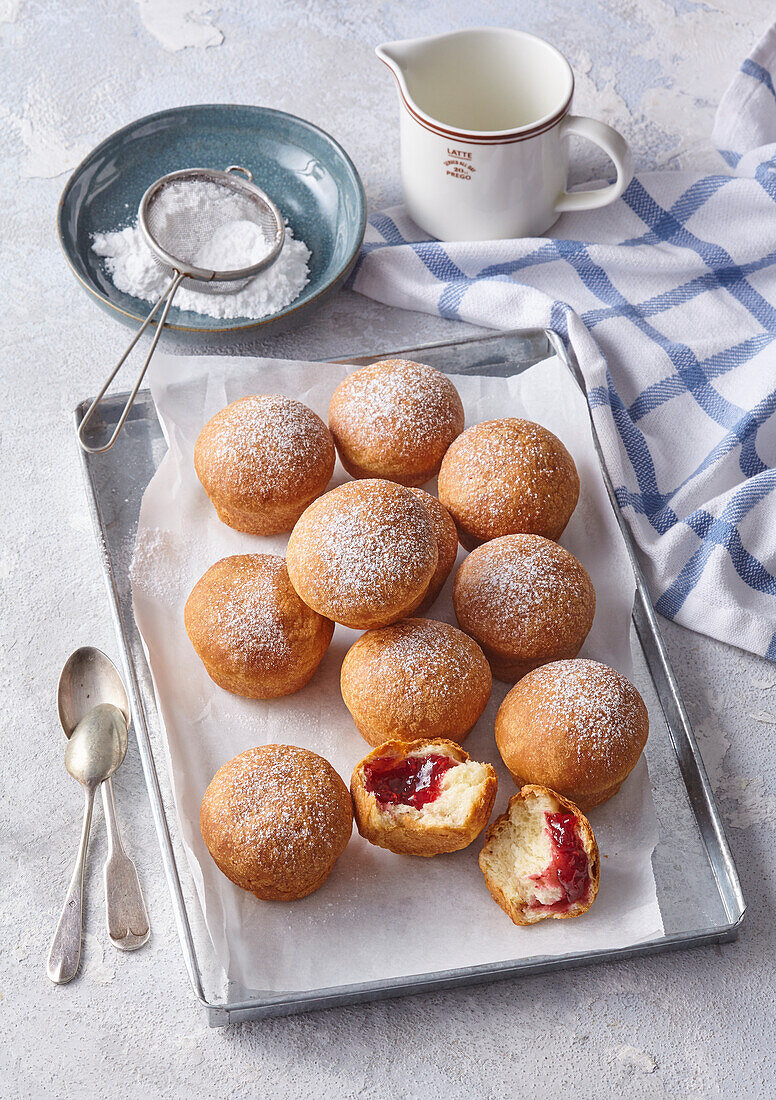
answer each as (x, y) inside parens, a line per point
(276, 819)
(262, 460)
(540, 858)
(507, 477)
(395, 419)
(363, 554)
(251, 631)
(417, 678)
(446, 537)
(526, 600)
(421, 798)
(578, 727)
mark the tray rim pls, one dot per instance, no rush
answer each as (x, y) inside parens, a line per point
(693, 771)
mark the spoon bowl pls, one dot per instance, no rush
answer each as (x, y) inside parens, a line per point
(97, 746)
(88, 678)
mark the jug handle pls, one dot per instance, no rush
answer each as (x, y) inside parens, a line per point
(616, 148)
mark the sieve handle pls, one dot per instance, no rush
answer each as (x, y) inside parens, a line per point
(166, 300)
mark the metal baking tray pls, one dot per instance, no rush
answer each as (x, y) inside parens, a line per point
(697, 884)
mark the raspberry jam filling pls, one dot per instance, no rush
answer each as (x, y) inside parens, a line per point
(413, 781)
(568, 869)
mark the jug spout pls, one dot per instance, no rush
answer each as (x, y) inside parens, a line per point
(398, 56)
(428, 70)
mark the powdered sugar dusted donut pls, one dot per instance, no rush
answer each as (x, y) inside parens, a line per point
(251, 631)
(395, 419)
(526, 600)
(275, 820)
(417, 678)
(262, 460)
(505, 477)
(578, 727)
(363, 554)
(446, 542)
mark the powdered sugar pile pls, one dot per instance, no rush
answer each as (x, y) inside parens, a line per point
(525, 573)
(422, 645)
(239, 243)
(236, 241)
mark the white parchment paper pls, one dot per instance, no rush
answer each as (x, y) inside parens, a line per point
(379, 915)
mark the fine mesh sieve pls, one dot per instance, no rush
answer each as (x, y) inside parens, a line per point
(177, 240)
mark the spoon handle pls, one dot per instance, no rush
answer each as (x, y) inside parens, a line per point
(65, 951)
(125, 908)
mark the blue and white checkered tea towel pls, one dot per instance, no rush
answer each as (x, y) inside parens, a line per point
(668, 298)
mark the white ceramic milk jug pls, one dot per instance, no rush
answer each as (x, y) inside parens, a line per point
(484, 115)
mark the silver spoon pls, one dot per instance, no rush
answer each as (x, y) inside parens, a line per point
(89, 677)
(96, 747)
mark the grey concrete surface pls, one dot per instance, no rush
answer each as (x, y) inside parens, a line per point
(699, 1023)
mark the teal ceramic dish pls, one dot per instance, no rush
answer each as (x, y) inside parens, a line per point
(308, 175)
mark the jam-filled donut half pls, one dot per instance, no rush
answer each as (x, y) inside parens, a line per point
(540, 858)
(422, 797)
